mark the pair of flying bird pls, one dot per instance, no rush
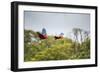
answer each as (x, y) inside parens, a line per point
(45, 36)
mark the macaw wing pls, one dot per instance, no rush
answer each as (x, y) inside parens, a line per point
(42, 36)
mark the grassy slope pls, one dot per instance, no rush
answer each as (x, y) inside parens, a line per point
(51, 49)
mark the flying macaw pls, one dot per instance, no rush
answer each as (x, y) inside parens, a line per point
(59, 37)
(42, 35)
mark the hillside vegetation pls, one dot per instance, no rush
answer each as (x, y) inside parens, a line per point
(51, 49)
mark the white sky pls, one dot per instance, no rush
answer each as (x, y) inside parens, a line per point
(56, 23)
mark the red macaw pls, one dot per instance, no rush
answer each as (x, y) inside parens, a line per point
(41, 36)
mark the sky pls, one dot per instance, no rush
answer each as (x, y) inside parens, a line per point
(56, 23)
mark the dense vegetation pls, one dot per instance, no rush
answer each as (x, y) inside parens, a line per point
(51, 49)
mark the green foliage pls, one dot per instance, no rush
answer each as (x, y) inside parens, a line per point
(56, 52)
(85, 46)
(27, 36)
(51, 49)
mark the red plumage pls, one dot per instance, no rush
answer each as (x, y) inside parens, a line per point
(58, 37)
(41, 36)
